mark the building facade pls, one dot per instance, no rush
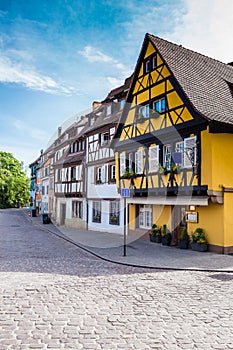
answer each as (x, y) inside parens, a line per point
(174, 143)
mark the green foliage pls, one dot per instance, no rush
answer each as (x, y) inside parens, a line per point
(155, 230)
(165, 232)
(184, 234)
(199, 236)
(14, 184)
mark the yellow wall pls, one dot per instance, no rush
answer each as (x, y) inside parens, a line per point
(132, 216)
(162, 215)
(211, 219)
(217, 160)
(228, 219)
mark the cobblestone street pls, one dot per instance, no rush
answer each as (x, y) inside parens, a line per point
(55, 296)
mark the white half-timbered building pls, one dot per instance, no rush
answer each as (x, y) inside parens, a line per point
(105, 206)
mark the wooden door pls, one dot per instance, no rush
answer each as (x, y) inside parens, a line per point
(178, 222)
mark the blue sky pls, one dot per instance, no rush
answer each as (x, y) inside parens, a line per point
(57, 57)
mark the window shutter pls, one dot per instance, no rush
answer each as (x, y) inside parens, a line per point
(104, 173)
(154, 158)
(122, 164)
(138, 162)
(190, 152)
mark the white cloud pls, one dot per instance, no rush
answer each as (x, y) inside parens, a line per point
(94, 55)
(113, 82)
(206, 27)
(20, 73)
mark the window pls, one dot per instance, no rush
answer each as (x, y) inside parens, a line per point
(73, 173)
(147, 66)
(99, 175)
(59, 175)
(122, 103)
(92, 120)
(104, 139)
(43, 190)
(145, 216)
(160, 105)
(96, 211)
(77, 209)
(150, 64)
(122, 164)
(167, 157)
(113, 173)
(190, 152)
(109, 110)
(178, 155)
(131, 163)
(114, 214)
(144, 112)
(153, 158)
(154, 62)
(47, 189)
(138, 162)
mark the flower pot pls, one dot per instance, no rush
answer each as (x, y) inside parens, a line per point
(183, 244)
(199, 247)
(166, 240)
(158, 239)
(153, 238)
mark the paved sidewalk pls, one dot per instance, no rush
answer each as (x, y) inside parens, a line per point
(140, 252)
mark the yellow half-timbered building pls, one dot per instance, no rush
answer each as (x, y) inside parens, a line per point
(174, 144)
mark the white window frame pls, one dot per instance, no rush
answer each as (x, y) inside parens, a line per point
(145, 216)
(189, 147)
(122, 163)
(180, 149)
(77, 209)
(144, 111)
(113, 172)
(167, 156)
(153, 158)
(96, 210)
(139, 162)
(154, 62)
(160, 105)
(147, 66)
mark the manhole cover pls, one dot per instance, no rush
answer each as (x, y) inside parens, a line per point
(14, 225)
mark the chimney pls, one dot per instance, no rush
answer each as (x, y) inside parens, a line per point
(95, 104)
(59, 131)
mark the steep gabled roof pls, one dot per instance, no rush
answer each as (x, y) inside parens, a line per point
(205, 81)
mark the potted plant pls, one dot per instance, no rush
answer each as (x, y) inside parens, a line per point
(140, 117)
(175, 168)
(199, 240)
(166, 235)
(184, 239)
(163, 170)
(155, 234)
(131, 173)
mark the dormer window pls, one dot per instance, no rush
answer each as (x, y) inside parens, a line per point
(122, 103)
(92, 120)
(109, 110)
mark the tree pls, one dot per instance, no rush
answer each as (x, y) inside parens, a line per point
(14, 184)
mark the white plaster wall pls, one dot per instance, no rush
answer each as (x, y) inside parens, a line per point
(104, 225)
